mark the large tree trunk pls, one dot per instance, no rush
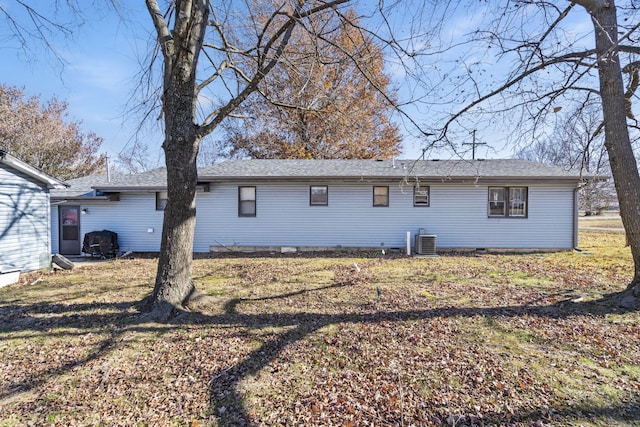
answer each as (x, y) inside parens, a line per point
(621, 157)
(173, 280)
(181, 48)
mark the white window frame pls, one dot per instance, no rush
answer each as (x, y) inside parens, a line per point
(244, 201)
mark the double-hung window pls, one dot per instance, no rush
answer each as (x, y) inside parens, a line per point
(508, 202)
(518, 201)
(380, 196)
(246, 201)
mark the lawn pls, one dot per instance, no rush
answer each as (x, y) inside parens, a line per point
(458, 340)
(610, 222)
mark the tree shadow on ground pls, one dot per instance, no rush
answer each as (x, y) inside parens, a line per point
(226, 399)
(64, 321)
(227, 402)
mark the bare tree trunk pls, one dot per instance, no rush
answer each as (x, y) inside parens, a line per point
(623, 163)
(181, 48)
(174, 284)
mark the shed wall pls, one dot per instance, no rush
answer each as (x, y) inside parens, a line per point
(24, 222)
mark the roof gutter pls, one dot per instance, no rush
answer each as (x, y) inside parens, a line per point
(426, 179)
(62, 199)
(201, 186)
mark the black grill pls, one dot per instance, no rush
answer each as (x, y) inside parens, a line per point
(103, 244)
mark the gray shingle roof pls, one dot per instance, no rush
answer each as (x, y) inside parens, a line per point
(85, 186)
(425, 169)
(79, 187)
(151, 180)
(428, 170)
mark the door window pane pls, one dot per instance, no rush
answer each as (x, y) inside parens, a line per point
(69, 216)
(70, 232)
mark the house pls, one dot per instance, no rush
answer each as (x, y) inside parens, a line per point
(322, 204)
(24, 215)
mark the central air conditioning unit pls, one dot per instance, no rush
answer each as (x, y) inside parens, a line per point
(426, 245)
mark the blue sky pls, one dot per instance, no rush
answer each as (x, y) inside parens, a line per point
(102, 60)
(97, 77)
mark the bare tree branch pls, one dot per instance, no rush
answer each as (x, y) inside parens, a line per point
(283, 34)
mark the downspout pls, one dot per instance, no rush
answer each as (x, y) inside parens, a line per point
(49, 241)
(575, 217)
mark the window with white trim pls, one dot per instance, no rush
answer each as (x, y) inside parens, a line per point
(246, 201)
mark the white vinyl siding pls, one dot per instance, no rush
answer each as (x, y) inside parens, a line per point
(134, 218)
(24, 222)
(457, 215)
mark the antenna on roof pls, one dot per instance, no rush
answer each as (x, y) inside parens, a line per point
(473, 145)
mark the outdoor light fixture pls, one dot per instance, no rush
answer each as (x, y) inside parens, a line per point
(84, 211)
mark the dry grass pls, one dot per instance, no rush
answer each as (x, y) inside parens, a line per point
(597, 222)
(455, 340)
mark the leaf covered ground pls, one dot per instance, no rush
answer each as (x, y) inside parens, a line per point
(458, 340)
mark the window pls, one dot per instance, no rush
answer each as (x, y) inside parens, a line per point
(318, 195)
(421, 196)
(246, 201)
(161, 200)
(508, 201)
(380, 196)
(496, 201)
(518, 201)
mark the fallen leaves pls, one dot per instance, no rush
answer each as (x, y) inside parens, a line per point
(455, 340)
